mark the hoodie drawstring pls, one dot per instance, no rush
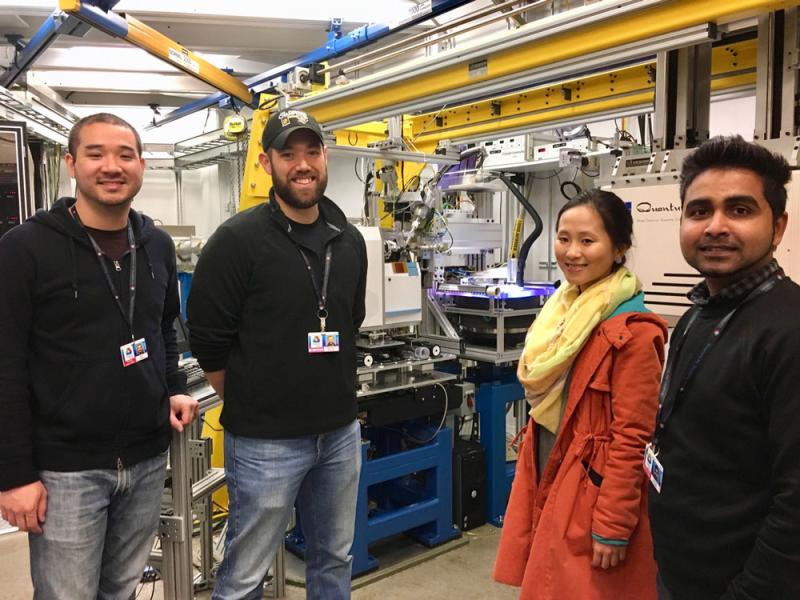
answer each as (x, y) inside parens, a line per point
(74, 267)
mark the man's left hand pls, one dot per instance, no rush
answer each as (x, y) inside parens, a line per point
(182, 411)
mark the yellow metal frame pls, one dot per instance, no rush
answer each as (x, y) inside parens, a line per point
(733, 66)
(256, 182)
(647, 23)
(170, 51)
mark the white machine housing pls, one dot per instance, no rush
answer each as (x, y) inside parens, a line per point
(656, 255)
(394, 289)
(505, 151)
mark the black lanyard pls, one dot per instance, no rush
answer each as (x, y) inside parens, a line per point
(321, 292)
(127, 317)
(667, 402)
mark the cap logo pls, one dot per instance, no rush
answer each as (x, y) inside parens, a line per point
(287, 115)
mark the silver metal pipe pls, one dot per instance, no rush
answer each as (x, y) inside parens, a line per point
(531, 78)
(179, 195)
(208, 484)
(207, 542)
(279, 574)
(378, 154)
(383, 56)
(176, 535)
(421, 36)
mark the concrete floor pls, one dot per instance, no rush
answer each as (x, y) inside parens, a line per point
(463, 573)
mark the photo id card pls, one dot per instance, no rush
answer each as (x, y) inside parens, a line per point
(653, 468)
(134, 352)
(323, 341)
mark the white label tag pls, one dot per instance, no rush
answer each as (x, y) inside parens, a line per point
(653, 468)
(134, 352)
(323, 341)
(183, 59)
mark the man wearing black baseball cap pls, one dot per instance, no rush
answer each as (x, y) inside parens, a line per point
(281, 125)
(277, 298)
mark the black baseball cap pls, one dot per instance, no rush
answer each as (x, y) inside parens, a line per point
(285, 122)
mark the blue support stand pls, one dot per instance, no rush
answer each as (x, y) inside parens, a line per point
(495, 390)
(410, 492)
(184, 287)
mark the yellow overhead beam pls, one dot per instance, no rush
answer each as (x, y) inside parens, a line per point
(171, 51)
(733, 66)
(647, 23)
(148, 39)
(570, 112)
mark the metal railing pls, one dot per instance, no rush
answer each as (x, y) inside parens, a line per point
(193, 481)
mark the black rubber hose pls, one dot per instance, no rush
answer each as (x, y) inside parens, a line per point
(538, 227)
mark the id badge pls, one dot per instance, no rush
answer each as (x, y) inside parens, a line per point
(134, 352)
(653, 467)
(323, 341)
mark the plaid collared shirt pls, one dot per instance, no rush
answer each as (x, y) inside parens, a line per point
(700, 296)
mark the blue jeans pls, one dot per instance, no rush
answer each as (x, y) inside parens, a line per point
(265, 477)
(98, 531)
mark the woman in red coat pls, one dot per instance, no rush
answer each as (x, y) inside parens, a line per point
(576, 526)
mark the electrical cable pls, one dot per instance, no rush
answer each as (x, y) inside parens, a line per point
(268, 103)
(429, 123)
(441, 423)
(555, 174)
(407, 187)
(204, 422)
(538, 228)
(436, 213)
(590, 175)
(397, 211)
(366, 182)
(570, 184)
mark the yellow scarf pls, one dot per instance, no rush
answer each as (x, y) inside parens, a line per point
(557, 335)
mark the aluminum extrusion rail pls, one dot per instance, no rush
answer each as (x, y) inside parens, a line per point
(568, 36)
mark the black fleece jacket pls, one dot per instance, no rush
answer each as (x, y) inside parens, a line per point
(250, 310)
(726, 524)
(66, 401)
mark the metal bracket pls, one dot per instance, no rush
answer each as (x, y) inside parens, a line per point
(170, 529)
(198, 448)
(26, 54)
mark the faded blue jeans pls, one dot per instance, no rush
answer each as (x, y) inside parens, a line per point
(98, 531)
(265, 477)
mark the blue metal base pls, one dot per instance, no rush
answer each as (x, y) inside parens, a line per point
(400, 490)
(184, 287)
(496, 388)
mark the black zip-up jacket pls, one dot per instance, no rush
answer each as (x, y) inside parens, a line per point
(66, 401)
(251, 308)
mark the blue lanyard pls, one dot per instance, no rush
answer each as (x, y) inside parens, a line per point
(667, 401)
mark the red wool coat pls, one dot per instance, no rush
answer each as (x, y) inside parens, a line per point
(546, 542)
